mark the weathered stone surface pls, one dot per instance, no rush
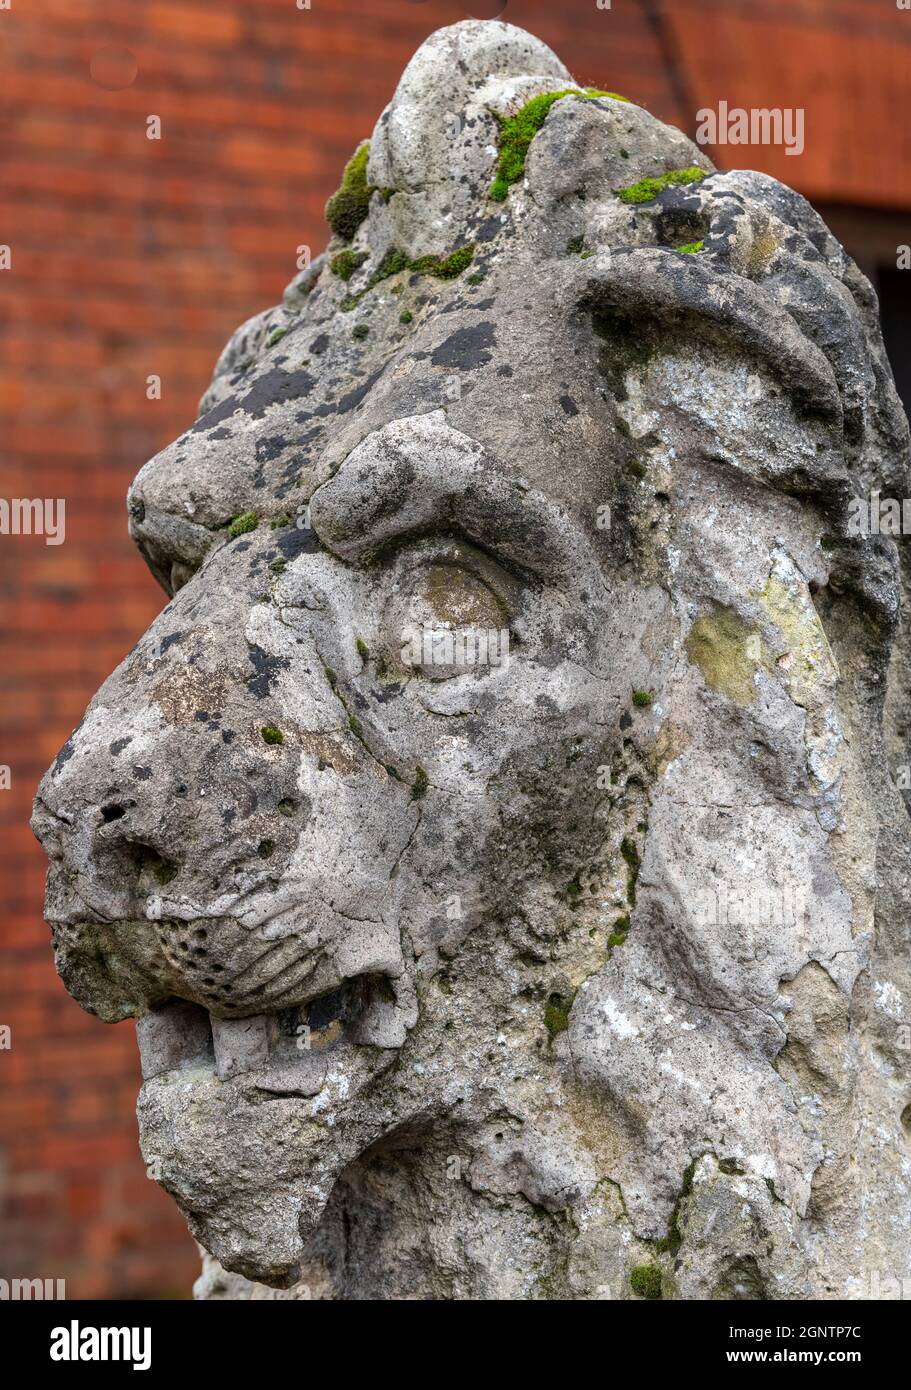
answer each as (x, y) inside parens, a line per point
(525, 976)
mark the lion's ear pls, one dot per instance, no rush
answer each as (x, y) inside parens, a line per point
(676, 292)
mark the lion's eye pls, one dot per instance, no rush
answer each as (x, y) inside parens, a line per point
(450, 613)
(457, 598)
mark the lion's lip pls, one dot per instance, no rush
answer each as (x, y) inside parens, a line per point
(230, 967)
(214, 962)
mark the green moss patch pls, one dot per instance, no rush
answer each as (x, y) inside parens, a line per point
(620, 931)
(350, 203)
(642, 698)
(645, 1280)
(518, 131)
(647, 189)
(556, 1013)
(271, 734)
(394, 261)
(444, 267)
(247, 521)
(671, 1243)
(633, 862)
(346, 263)
(573, 891)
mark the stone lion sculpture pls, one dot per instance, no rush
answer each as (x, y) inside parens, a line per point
(571, 962)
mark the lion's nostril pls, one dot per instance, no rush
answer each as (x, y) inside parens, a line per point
(113, 812)
(149, 861)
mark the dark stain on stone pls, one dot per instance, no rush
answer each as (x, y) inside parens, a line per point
(272, 388)
(355, 397)
(488, 230)
(297, 540)
(466, 349)
(267, 668)
(66, 752)
(292, 466)
(268, 449)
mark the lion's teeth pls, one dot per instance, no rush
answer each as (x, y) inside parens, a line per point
(242, 1044)
(177, 1035)
(301, 1075)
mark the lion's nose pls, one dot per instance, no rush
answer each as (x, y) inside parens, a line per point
(107, 843)
(124, 828)
(149, 858)
(107, 952)
(96, 876)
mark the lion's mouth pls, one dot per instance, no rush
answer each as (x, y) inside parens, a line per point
(283, 1053)
(122, 968)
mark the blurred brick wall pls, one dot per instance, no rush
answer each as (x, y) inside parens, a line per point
(133, 257)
